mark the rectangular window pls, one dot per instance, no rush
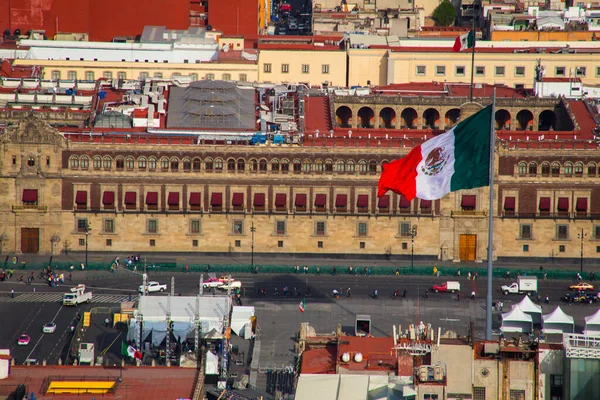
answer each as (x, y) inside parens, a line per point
(280, 243)
(596, 232)
(519, 71)
(107, 74)
(267, 68)
(320, 228)
(121, 75)
(499, 71)
(325, 68)
(560, 71)
(280, 227)
(479, 393)
(210, 77)
(320, 245)
(525, 248)
(89, 76)
(516, 394)
(143, 75)
(479, 71)
(285, 68)
(428, 396)
(562, 232)
(243, 78)
(71, 75)
(108, 242)
(82, 242)
(226, 77)
(195, 243)
(82, 225)
(152, 226)
(361, 245)
(159, 75)
(55, 75)
(237, 227)
(109, 226)
(580, 72)
(440, 70)
(362, 229)
(195, 226)
(152, 242)
(238, 243)
(525, 231)
(561, 248)
(459, 71)
(305, 68)
(421, 70)
(404, 229)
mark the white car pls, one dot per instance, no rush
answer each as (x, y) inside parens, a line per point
(50, 327)
(234, 285)
(152, 287)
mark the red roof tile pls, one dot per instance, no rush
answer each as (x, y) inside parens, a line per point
(584, 119)
(319, 361)
(377, 353)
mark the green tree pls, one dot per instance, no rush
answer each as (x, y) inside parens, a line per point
(444, 14)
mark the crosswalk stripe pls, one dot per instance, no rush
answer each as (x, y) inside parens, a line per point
(57, 297)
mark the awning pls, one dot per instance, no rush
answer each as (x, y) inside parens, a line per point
(563, 204)
(544, 203)
(30, 195)
(81, 197)
(300, 200)
(341, 201)
(237, 200)
(404, 202)
(581, 204)
(195, 199)
(384, 201)
(468, 201)
(280, 200)
(259, 199)
(216, 199)
(108, 198)
(173, 199)
(320, 200)
(426, 204)
(130, 198)
(152, 198)
(509, 204)
(362, 200)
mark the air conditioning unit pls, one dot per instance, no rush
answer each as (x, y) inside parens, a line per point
(438, 373)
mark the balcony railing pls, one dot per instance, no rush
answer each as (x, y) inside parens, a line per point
(468, 213)
(549, 215)
(30, 208)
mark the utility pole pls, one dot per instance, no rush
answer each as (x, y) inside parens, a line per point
(413, 233)
(172, 286)
(87, 233)
(252, 229)
(581, 236)
(201, 285)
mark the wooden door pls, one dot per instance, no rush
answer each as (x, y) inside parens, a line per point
(468, 247)
(30, 240)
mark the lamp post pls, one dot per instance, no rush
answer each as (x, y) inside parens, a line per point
(87, 234)
(581, 236)
(413, 233)
(252, 230)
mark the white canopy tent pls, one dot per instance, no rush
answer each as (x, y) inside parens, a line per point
(532, 309)
(241, 321)
(516, 321)
(558, 322)
(592, 324)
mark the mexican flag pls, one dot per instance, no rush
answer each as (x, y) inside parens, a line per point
(130, 351)
(457, 159)
(302, 305)
(464, 42)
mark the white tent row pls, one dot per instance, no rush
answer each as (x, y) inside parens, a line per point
(558, 322)
(592, 324)
(532, 309)
(241, 321)
(516, 321)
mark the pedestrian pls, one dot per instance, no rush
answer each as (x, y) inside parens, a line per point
(12, 293)
(187, 268)
(469, 275)
(435, 270)
(546, 275)
(34, 289)
(106, 322)
(318, 271)
(369, 271)
(473, 295)
(458, 273)
(350, 270)
(129, 298)
(397, 271)
(458, 296)
(507, 275)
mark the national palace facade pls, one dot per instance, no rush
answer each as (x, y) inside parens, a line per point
(141, 194)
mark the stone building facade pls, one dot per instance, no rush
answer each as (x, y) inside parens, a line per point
(123, 194)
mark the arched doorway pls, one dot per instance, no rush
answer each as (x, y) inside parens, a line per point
(343, 117)
(366, 117)
(502, 120)
(547, 121)
(387, 118)
(451, 117)
(409, 118)
(431, 119)
(524, 120)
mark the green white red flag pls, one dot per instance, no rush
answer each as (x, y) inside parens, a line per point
(464, 42)
(302, 305)
(457, 159)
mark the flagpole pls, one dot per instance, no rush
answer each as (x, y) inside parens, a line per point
(490, 252)
(473, 58)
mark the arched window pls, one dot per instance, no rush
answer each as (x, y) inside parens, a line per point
(532, 168)
(578, 169)
(362, 166)
(253, 165)
(306, 166)
(350, 166)
(187, 165)
(568, 169)
(275, 165)
(97, 162)
(231, 165)
(84, 162)
(129, 163)
(164, 164)
(555, 169)
(31, 161)
(120, 163)
(297, 166)
(285, 166)
(241, 165)
(152, 163)
(74, 162)
(196, 164)
(328, 166)
(174, 165)
(591, 169)
(522, 168)
(262, 165)
(107, 163)
(319, 166)
(142, 163)
(372, 166)
(208, 165)
(545, 168)
(218, 164)
(340, 166)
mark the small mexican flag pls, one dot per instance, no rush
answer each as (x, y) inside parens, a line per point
(302, 305)
(464, 42)
(457, 159)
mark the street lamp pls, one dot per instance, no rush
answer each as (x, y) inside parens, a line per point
(413, 233)
(581, 236)
(87, 234)
(252, 230)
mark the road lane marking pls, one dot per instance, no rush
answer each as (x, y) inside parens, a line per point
(41, 337)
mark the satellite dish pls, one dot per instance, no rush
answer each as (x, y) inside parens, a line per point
(345, 357)
(225, 48)
(358, 357)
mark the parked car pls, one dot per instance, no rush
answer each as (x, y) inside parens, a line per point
(580, 297)
(450, 286)
(23, 340)
(234, 285)
(582, 286)
(153, 287)
(50, 327)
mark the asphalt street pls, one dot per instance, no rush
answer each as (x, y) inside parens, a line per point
(278, 315)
